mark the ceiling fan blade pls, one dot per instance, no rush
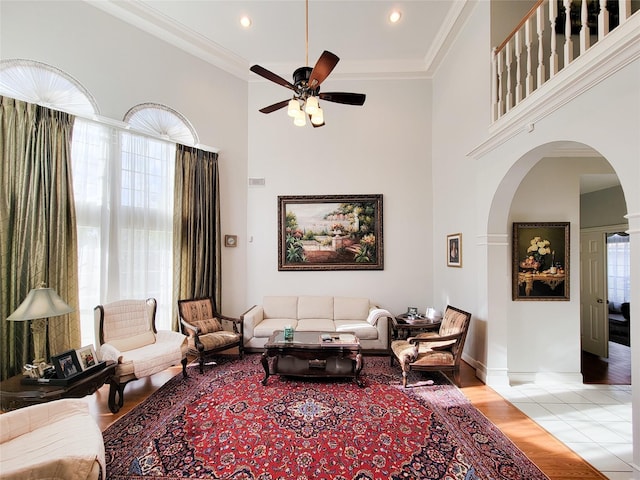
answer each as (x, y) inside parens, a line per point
(325, 64)
(263, 72)
(275, 106)
(344, 97)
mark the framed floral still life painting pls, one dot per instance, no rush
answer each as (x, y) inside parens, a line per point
(454, 250)
(541, 261)
(330, 232)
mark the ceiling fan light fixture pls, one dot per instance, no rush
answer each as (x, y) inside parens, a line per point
(300, 120)
(317, 118)
(311, 105)
(293, 108)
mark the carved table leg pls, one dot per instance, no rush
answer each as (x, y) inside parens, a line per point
(358, 369)
(265, 364)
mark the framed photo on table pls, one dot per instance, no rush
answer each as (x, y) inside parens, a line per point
(66, 364)
(454, 250)
(540, 267)
(87, 357)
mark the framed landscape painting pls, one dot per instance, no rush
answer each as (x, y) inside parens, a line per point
(330, 232)
(541, 261)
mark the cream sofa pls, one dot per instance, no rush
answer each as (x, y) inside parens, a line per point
(318, 313)
(58, 440)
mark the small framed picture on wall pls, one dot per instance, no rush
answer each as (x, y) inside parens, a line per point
(454, 250)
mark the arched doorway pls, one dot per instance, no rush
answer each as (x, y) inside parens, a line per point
(542, 338)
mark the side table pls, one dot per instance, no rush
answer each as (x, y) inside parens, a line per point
(402, 327)
(15, 394)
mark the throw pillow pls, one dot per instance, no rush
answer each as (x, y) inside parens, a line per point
(208, 325)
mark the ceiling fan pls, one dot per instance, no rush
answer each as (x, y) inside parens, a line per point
(306, 87)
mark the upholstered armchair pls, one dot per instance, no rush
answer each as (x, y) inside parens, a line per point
(58, 439)
(435, 351)
(207, 330)
(126, 333)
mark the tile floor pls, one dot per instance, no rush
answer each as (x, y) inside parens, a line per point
(593, 420)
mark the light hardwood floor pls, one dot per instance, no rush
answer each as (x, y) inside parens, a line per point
(556, 460)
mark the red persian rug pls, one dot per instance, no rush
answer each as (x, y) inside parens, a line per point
(226, 425)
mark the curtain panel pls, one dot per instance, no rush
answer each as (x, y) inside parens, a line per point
(196, 228)
(38, 239)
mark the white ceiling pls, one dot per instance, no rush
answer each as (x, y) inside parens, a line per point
(357, 31)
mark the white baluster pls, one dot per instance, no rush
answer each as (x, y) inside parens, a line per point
(529, 41)
(603, 20)
(509, 96)
(553, 55)
(624, 9)
(518, 53)
(540, 31)
(585, 31)
(494, 86)
(500, 84)
(568, 43)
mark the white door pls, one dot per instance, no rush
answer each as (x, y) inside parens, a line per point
(594, 321)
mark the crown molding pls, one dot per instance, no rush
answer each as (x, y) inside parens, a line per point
(161, 26)
(140, 15)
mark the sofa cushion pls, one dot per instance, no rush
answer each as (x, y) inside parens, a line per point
(350, 308)
(134, 341)
(280, 307)
(45, 449)
(316, 325)
(315, 307)
(363, 329)
(266, 327)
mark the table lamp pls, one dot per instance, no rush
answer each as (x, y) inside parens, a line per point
(41, 303)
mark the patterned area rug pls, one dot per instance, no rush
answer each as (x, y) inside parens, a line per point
(226, 425)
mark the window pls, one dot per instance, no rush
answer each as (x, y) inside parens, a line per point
(618, 269)
(123, 187)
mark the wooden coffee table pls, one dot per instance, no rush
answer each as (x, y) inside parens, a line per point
(14, 393)
(307, 355)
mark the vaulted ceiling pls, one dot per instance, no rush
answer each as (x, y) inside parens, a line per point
(358, 31)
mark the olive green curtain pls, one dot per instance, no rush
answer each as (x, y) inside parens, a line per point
(38, 239)
(196, 227)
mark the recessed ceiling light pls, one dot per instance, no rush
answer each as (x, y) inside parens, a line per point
(245, 21)
(394, 16)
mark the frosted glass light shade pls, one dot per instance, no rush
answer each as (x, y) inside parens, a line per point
(300, 120)
(293, 108)
(318, 117)
(311, 105)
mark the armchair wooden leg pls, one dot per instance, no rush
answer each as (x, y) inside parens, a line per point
(201, 362)
(184, 367)
(404, 379)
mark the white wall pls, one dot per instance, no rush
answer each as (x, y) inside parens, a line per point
(461, 117)
(121, 66)
(383, 148)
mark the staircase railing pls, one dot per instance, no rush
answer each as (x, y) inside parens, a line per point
(529, 56)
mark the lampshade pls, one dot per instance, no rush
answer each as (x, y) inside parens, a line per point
(300, 119)
(293, 107)
(318, 117)
(311, 105)
(41, 302)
